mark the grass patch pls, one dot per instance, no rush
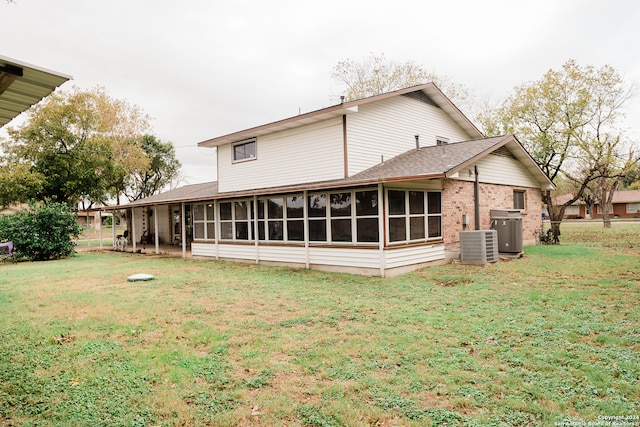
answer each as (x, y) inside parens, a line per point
(550, 337)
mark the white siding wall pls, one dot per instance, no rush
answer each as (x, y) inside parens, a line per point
(237, 251)
(345, 257)
(307, 154)
(388, 128)
(503, 170)
(413, 255)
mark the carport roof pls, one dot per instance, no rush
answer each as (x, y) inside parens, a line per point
(23, 85)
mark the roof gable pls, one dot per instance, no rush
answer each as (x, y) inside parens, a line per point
(448, 159)
(428, 93)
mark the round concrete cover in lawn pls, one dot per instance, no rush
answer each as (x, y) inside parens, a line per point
(140, 277)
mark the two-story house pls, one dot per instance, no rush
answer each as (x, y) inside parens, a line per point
(379, 186)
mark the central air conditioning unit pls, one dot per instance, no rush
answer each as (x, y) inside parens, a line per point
(479, 246)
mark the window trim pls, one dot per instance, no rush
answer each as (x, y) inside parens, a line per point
(407, 216)
(205, 221)
(524, 199)
(353, 217)
(234, 221)
(253, 141)
(263, 222)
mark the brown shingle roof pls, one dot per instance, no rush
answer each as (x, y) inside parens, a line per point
(424, 163)
(203, 191)
(434, 160)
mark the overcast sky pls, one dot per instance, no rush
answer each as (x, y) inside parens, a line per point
(205, 68)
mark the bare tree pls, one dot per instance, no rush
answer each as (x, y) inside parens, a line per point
(376, 75)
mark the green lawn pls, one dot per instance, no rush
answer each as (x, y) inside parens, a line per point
(551, 337)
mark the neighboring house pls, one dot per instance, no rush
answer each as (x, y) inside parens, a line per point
(625, 203)
(380, 186)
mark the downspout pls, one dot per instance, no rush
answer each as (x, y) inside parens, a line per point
(476, 198)
(382, 231)
(345, 147)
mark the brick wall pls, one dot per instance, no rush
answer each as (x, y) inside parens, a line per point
(457, 199)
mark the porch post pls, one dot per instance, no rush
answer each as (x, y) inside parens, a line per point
(155, 228)
(382, 234)
(113, 226)
(100, 227)
(132, 236)
(184, 231)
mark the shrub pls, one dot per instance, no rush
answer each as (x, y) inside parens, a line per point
(41, 232)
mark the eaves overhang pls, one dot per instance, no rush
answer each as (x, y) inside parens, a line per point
(23, 85)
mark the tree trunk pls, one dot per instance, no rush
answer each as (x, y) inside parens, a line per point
(555, 215)
(607, 189)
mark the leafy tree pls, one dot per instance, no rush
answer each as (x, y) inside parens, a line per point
(569, 121)
(77, 145)
(162, 169)
(376, 75)
(42, 232)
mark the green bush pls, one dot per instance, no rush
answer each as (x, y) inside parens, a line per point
(41, 232)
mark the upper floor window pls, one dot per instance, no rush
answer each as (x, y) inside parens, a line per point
(245, 150)
(519, 199)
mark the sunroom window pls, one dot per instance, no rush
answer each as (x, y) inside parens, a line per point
(343, 217)
(414, 215)
(281, 218)
(234, 220)
(204, 224)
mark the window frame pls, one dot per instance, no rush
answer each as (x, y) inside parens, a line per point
(234, 221)
(524, 199)
(427, 213)
(205, 221)
(331, 217)
(284, 218)
(246, 142)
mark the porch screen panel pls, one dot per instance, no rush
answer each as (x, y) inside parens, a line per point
(241, 211)
(414, 215)
(295, 218)
(340, 208)
(210, 222)
(198, 221)
(226, 221)
(367, 216)
(434, 201)
(317, 212)
(275, 211)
